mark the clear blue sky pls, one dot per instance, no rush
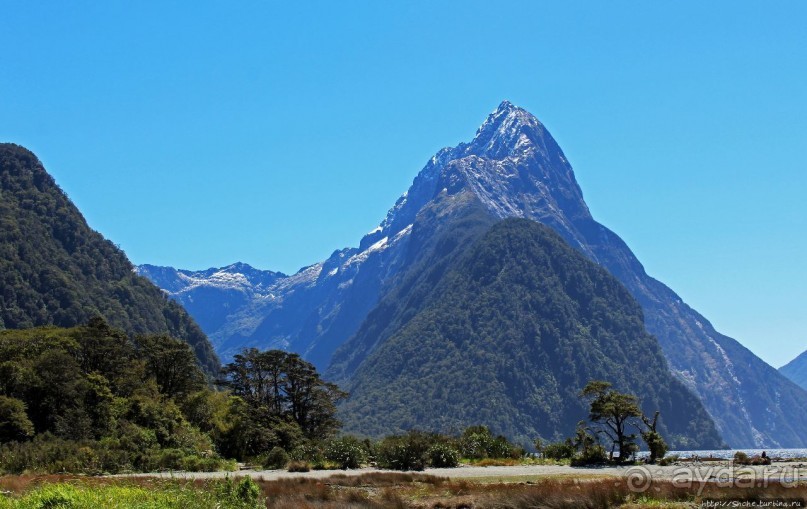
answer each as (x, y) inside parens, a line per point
(196, 134)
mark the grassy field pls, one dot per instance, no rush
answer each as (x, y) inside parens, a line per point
(368, 491)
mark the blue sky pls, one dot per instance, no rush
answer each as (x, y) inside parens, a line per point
(196, 134)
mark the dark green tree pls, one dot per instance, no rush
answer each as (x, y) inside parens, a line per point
(655, 442)
(14, 422)
(172, 364)
(588, 447)
(282, 393)
(311, 401)
(104, 349)
(614, 412)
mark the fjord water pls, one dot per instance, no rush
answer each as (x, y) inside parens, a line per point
(729, 453)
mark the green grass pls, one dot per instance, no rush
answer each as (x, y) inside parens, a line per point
(244, 494)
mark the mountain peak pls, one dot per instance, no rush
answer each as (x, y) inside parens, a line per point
(507, 131)
(506, 106)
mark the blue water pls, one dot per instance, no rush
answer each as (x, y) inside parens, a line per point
(729, 453)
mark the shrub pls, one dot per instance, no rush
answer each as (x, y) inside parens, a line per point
(49, 454)
(276, 459)
(741, 458)
(442, 455)
(309, 452)
(407, 452)
(668, 460)
(14, 422)
(247, 491)
(298, 466)
(559, 450)
(243, 493)
(477, 442)
(593, 455)
(171, 459)
(195, 463)
(347, 452)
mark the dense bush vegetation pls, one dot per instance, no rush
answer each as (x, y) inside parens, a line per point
(406, 452)
(346, 452)
(560, 450)
(442, 455)
(276, 458)
(417, 450)
(477, 442)
(89, 399)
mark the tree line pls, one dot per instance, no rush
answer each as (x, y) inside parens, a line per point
(93, 399)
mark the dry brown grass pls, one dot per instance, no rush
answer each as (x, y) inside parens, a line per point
(420, 491)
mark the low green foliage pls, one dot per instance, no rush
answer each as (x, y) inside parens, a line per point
(275, 459)
(347, 452)
(593, 455)
(477, 442)
(406, 452)
(48, 454)
(442, 455)
(309, 452)
(227, 494)
(91, 400)
(559, 450)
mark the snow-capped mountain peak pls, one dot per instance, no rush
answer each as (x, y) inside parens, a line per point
(508, 131)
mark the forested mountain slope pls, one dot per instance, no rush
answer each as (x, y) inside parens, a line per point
(56, 270)
(506, 330)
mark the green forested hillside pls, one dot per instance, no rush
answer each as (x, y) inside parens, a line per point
(91, 399)
(507, 334)
(56, 270)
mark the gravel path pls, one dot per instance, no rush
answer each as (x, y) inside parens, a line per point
(706, 472)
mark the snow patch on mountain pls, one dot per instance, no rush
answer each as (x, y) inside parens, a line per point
(361, 257)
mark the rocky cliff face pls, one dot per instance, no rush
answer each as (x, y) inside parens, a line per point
(515, 168)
